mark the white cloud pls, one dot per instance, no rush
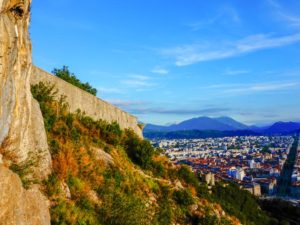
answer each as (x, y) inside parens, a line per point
(224, 15)
(260, 87)
(138, 81)
(139, 77)
(292, 20)
(191, 54)
(159, 70)
(268, 87)
(236, 72)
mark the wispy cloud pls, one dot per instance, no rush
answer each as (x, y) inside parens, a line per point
(138, 81)
(290, 19)
(263, 87)
(159, 70)
(254, 88)
(179, 111)
(236, 72)
(195, 53)
(224, 15)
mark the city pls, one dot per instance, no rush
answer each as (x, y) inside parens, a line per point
(256, 163)
(149, 112)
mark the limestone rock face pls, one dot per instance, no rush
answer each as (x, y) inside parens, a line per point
(21, 123)
(19, 206)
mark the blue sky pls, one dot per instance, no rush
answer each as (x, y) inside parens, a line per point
(169, 60)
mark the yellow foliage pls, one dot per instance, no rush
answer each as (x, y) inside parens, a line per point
(64, 163)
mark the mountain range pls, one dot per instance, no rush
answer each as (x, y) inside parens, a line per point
(220, 125)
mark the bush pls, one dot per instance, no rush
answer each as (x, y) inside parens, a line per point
(158, 169)
(123, 209)
(166, 213)
(45, 94)
(25, 170)
(139, 151)
(185, 174)
(66, 75)
(239, 203)
(183, 197)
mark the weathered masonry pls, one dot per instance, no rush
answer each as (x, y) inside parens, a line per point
(91, 105)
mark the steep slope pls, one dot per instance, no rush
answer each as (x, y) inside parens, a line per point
(105, 175)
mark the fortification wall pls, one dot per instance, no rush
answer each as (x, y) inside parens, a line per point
(91, 105)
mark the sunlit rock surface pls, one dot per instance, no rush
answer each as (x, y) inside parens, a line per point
(19, 206)
(22, 132)
(21, 123)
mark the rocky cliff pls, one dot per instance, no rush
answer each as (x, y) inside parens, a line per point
(22, 132)
(21, 124)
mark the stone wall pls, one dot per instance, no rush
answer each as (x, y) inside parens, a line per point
(91, 105)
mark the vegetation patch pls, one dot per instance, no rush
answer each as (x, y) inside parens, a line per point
(140, 187)
(69, 77)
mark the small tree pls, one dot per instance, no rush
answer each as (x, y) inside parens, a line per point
(66, 75)
(139, 151)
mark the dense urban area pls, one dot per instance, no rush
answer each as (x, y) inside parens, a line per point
(263, 165)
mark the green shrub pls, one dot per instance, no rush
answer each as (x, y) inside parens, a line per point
(188, 176)
(45, 94)
(166, 213)
(239, 203)
(69, 77)
(123, 209)
(52, 185)
(54, 146)
(158, 169)
(25, 170)
(209, 220)
(139, 151)
(75, 135)
(183, 197)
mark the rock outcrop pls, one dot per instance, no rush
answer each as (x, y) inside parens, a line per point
(22, 132)
(21, 124)
(19, 206)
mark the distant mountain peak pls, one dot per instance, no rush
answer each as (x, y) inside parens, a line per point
(201, 123)
(225, 123)
(283, 128)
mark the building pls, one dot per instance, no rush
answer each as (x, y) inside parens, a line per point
(237, 173)
(253, 188)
